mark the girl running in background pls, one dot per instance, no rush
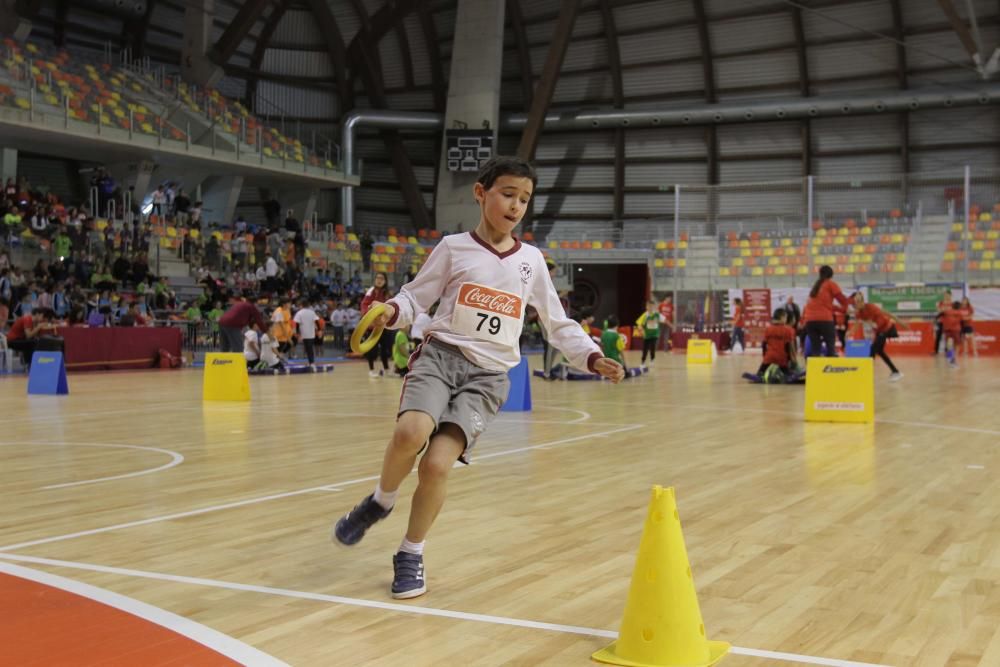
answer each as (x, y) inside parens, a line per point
(649, 322)
(885, 328)
(951, 325)
(968, 334)
(818, 314)
(738, 334)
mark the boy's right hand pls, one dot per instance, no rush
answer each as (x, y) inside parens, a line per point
(383, 319)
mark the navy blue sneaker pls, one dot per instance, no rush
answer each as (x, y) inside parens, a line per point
(408, 581)
(353, 525)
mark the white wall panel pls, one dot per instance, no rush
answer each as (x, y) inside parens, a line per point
(348, 21)
(759, 70)
(640, 15)
(750, 33)
(587, 175)
(560, 145)
(574, 203)
(963, 125)
(581, 88)
(756, 138)
(295, 101)
(392, 61)
(299, 26)
(656, 80)
(851, 59)
(418, 100)
(759, 171)
(297, 63)
(657, 175)
(653, 47)
(847, 18)
(419, 56)
(855, 132)
(665, 142)
(857, 167)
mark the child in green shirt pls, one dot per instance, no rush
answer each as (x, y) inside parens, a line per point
(649, 324)
(401, 351)
(611, 342)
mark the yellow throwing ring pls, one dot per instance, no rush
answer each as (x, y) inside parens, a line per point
(364, 346)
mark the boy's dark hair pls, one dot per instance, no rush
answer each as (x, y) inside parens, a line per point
(779, 314)
(505, 165)
(612, 321)
(956, 304)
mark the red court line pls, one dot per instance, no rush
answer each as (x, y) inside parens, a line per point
(45, 625)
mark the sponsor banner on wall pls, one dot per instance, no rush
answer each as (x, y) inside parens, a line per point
(919, 339)
(756, 314)
(908, 300)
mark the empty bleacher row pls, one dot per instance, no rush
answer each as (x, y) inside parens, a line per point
(878, 245)
(979, 243)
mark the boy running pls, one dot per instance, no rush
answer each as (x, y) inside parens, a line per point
(458, 377)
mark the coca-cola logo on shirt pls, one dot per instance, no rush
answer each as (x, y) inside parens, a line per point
(486, 298)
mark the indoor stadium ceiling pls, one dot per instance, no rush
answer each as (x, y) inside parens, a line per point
(312, 61)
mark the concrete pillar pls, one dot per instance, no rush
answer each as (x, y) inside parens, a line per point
(8, 164)
(219, 196)
(196, 67)
(473, 97)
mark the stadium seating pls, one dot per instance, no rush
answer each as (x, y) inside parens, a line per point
(96, 91)
(874, 246)
(979, 241)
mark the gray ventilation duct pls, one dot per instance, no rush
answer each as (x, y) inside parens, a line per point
(893, 101)
(395, 120)
(765, 110)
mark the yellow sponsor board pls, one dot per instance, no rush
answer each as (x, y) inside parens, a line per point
(226, 377)
(840, 390)
(700, 351)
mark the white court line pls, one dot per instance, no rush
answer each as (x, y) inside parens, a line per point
(175, 459)
(220, 643)
(688, 406)
(408, 609)
(288, 494)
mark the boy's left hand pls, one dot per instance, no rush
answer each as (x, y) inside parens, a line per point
(610, 369)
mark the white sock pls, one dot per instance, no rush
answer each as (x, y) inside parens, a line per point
(416, 548)
(384, 498)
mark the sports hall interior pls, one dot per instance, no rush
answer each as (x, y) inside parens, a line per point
(156, 155)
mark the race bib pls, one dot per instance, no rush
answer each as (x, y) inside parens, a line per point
(488, 314)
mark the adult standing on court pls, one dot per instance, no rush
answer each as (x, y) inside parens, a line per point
(820, 326)
(379, 292)
(549, 352)
(968, 333)
(305, 321)
(240, 314)
(885, 328)
(943, 304)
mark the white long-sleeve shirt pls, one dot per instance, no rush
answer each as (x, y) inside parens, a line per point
(483, 295)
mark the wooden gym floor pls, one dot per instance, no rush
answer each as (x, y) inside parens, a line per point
(828, 543)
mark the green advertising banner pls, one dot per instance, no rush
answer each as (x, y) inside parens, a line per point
(909, 300)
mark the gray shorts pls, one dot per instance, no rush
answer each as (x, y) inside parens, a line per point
(449, 388)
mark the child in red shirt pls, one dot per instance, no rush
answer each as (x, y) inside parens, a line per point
(818, 314)
(779, 344)
(885, 328)
(951, 325)
(968, 334)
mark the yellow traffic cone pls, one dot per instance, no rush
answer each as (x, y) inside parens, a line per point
(662, 624)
